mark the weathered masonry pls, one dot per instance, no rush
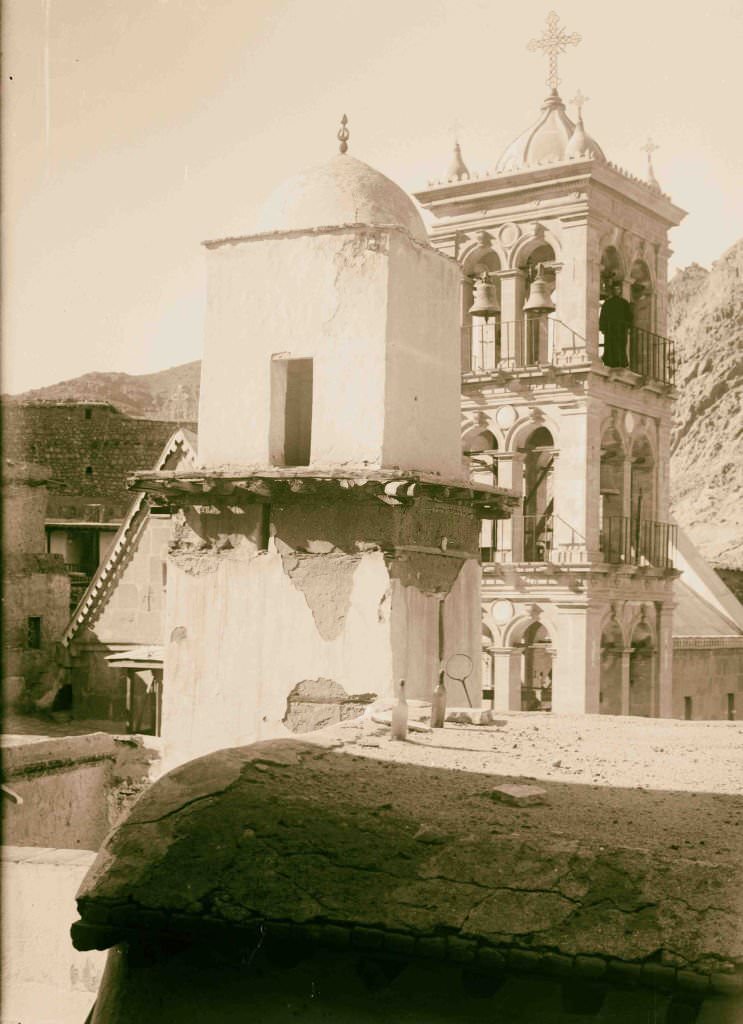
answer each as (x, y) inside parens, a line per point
(327, 541)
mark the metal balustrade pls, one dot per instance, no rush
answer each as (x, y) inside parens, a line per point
(521, 538)
(651, 355)
(629, 541)
(511, 345)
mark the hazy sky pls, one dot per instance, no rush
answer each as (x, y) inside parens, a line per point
(135, 129)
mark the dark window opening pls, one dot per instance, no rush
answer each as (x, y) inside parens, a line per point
(88, 470)
(687, 708)
(291, 411)
(34, 632)
(88, 414)
(731, 707)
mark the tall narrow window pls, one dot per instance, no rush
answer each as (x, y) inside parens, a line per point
(291, 411)
(731, 707)
(687, 708)
(34, 632)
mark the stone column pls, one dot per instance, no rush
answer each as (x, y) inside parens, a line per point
(663, 702)
(465, 320)
(577, 305)
(576, 685)
(512, 291)
(625, 655)
(506, 678)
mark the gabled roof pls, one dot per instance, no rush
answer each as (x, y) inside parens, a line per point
(126, 537)
(705, 607)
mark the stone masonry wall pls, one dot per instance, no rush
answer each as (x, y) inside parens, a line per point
(90, 449)
(707, 674)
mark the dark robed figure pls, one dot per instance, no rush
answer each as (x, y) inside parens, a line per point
(614, 323)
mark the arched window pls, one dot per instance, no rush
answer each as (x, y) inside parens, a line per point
(480, 334)
(610, 694)
(612, 515)
(481, 448)
(641, 296)
(538, 501)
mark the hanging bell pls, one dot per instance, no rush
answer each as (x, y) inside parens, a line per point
(485, 299)
(540, 299)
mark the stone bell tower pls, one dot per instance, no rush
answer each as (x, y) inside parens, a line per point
(577, 586)
(327, 543)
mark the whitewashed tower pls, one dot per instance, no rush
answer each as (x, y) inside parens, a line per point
(328, 539)
(578, 586)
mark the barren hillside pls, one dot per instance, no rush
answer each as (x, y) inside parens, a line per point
(706, 321)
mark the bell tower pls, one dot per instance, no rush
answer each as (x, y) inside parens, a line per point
(577, 586)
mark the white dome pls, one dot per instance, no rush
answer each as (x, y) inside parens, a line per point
(548, 140)
(340, 192)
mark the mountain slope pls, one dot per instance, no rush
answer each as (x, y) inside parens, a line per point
(706, 322)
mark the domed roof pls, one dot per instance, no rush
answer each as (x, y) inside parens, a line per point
(340, 192)
(552, 139)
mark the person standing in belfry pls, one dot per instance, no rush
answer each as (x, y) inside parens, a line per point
(615, 321)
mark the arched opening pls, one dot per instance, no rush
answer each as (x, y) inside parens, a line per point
(642, 499)
(481, 449)
(641, 670)
(480, 334)
(536, 664)
(541, 279)
(610, 692)
(641, 295)
(611, 271)
(612, 525)
(538, 501)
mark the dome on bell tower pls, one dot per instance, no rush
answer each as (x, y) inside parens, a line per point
(344, 191)
(552, 139)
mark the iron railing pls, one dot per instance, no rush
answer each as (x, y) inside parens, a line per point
(531, 539)
(512, 345)
(630, 541)
(650, 355)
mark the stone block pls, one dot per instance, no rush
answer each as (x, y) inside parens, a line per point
(519, 795)
(470, 716)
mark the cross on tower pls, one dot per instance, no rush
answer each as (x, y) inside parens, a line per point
(578, 101)
(649, 148)
(554, 41)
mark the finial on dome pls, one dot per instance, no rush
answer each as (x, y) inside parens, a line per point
(554, 42)
(578, 101)
(649, 148)
(343, 135)
(457, 167)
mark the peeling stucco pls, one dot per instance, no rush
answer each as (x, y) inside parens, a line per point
(326, 581)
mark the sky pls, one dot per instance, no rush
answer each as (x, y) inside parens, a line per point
(133, 130)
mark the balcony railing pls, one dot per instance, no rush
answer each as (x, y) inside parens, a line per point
(521, 538)
(630, 541)
(650, 355)
(512, 345)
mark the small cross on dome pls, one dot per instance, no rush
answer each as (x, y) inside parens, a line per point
(578, 101)
(343, 135)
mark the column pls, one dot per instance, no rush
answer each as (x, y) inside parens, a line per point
(625, 655)
(577, 675)
(512, 291)
(663, 702)
(510, 476)
(506, 678)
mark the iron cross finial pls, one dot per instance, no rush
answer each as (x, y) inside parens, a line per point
(554, 41)
(649, 148)
(343, 135)
(578, 101)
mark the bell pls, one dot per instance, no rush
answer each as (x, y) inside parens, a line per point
(485, 299)
(539, 300)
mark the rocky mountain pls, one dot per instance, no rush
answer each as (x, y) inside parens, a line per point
(706, 322)
(167, 395)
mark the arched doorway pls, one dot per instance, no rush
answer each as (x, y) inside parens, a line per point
(480, 448)
(481, 349)
(611, 271)
(538, 501)
(536, 676)
(612, 526)
(641, 670)
(610, 692)
(541, 279)
(641, 295)
(642, 500)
